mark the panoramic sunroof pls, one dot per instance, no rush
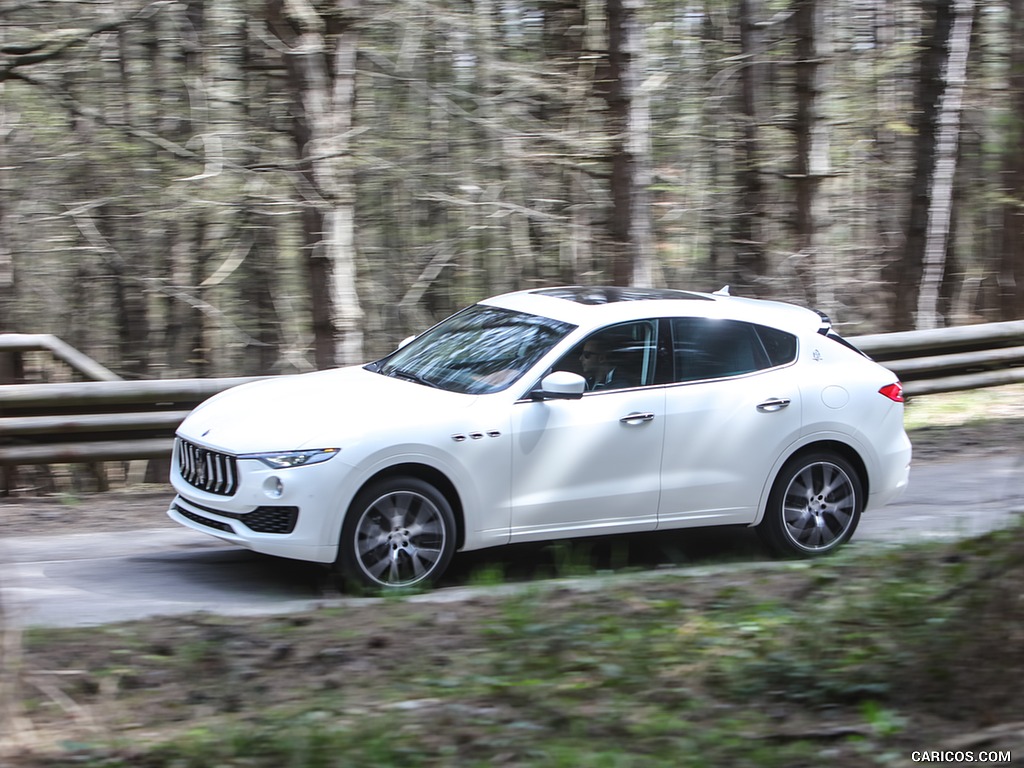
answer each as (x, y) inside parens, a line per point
(584, 294)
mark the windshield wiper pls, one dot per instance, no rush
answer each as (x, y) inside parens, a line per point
(398, 373)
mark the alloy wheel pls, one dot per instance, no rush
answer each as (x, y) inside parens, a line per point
(819, 506)
(400, 539)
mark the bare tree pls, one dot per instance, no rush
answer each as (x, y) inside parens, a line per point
(944, 169)
(748, 243)
(320, 57)
(1011, 262)
(629, 128)
(812, 160)
(905, 274)
(6, 259)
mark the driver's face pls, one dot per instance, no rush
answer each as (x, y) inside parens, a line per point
(591, 358)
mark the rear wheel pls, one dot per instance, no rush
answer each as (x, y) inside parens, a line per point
(814, 506)
(399, 532)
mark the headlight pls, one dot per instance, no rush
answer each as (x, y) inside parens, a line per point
(289, 459)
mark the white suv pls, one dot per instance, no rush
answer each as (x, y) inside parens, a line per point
(549, 414)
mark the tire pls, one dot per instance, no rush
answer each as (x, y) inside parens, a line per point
(814, 506)
(398, 533)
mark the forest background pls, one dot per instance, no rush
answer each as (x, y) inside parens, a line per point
(223, 187)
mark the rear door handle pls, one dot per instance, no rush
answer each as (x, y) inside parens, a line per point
(637, 418)
(773, 404)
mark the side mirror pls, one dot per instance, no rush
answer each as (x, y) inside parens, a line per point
(560, 385)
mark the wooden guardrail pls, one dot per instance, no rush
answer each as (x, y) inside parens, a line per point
(97, 421)
(951, 359)
(14, 343)
(113, 420)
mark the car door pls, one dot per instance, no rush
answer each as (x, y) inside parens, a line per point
(735, 407)
(592, 464)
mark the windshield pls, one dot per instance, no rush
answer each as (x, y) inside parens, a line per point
(477, 351)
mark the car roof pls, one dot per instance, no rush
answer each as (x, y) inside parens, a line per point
(593, 306)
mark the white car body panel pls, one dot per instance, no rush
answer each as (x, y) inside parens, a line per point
(315, 410)
(478, 465)
(846, 408)
(719, 440)
(578, 468)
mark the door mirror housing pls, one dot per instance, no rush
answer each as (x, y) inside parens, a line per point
(560, 385)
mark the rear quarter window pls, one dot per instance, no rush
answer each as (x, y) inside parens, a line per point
(778, 345)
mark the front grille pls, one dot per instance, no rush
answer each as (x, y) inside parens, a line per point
(280, 520)
(206, 470)
(271, 519)
(203, 520)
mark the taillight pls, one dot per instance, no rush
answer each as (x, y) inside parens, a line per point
(893, 391)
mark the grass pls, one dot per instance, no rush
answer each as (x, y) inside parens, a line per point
(968, 407)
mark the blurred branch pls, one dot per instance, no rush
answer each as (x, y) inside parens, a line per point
(496, 204)
(203, 306)
(103, 246)
(26, 54)
(80, 110)
(18, 55)
(427, 277)
(234, 260)
(75, 107)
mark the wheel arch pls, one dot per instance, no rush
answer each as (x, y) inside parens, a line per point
(845, 450)
(436, 478)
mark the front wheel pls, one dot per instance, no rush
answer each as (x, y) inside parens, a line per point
(399, 532)
(814, 506)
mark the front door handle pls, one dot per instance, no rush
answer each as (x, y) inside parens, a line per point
(637, 418)
(773, 404)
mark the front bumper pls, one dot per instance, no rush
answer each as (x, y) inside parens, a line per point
(294, 513)
(230, 528)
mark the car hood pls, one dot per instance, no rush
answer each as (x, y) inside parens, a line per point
(325, 409)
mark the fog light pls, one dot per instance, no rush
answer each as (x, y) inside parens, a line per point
(273, 487)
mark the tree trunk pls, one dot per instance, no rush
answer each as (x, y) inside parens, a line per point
(501, 261)
(907, 280)
(629, 125)
(812, 163)
(257, 286)
(1011, 268)
(884, 201)
(714, 116)
(941, 197)
(321, 65)
(11, 370)
(184, 323)
(7, 289)
(749, 265)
